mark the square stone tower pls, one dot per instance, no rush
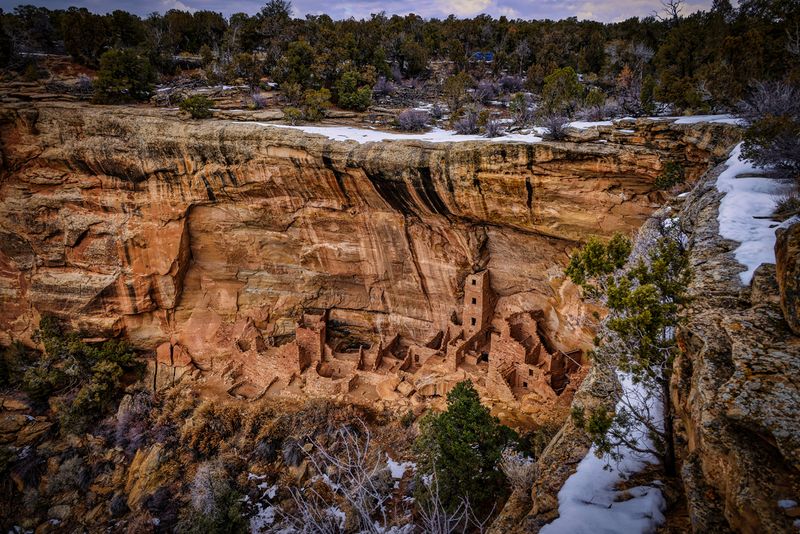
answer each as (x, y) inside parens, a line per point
(478, 303)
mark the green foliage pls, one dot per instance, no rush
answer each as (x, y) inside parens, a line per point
(414, 58)
(672, 175)
(12, 360)
(703, 60)
(578, 415)
(124, 76)
(94, 398)
(206, 55)
(595, 98)
(296, 65)
(562, 91)
(88, 376)
(463, 446)
(644, 304)
(31, 72)
(408, 419)
(454, 91)
(248, 67)
(519, 106)
(597, 260)
(773, 141)
(315, 103)
(292, 114)
(350, 95)
(198, 106)
(647, 95)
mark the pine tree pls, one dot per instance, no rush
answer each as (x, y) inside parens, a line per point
(644, 304)
(462, 446)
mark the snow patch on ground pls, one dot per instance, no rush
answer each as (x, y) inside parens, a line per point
(398, 469)
(723, 119)
(745, 210)
(436, 135)
(582, 125)
(263, 518)
(590, 503)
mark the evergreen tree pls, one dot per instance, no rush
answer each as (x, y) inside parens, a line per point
(562, 91)
(124, 76)
(462, 447)
(643, 303)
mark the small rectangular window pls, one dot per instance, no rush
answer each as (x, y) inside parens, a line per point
(474, 282)
(474, 300)
(525, 384)
(530, 372)
(473, 321)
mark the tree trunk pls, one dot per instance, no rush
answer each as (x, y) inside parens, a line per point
(669, 443)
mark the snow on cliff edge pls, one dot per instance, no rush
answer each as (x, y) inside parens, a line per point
(745, 211)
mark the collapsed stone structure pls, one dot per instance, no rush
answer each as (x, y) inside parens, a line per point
(505, 355)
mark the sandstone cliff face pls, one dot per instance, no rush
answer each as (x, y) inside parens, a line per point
(735, 388)
(135, 222)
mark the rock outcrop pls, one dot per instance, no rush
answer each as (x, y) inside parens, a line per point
(787, 264)
(133, 221)
(735, 387)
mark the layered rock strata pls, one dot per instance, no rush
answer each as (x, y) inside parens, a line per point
(735, 386)
(215, 237)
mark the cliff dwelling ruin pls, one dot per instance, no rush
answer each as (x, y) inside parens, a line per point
(508, 357)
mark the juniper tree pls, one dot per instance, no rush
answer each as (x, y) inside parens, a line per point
(462, 447)
(643, 311)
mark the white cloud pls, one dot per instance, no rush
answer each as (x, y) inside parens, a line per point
(466, 8)
(176, 4)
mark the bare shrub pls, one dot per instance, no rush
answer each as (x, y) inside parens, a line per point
(771, 99)
(84, 85)
(772, 139)
(556, 125)
(521, 109)
(520, 470)
(71, 474)
(354, 471)
(467, 124)
(436, 518)
(259, 100)
(209, 482)
(132, 420)
(493, 128)
(788, 205)
(412, 120)
(485, 91)
(384, 87)
(511, 84)
(437, 111)
(212, 424)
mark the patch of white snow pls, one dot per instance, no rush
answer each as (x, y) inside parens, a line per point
(264, 517)
(582, 125)
(590, 503)
(745, 210)
(723, 119)
(398, 469)
(436, 135)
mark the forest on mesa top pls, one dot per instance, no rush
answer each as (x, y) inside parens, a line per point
(704, 61)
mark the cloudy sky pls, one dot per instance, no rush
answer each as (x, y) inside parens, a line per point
(604, 10)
